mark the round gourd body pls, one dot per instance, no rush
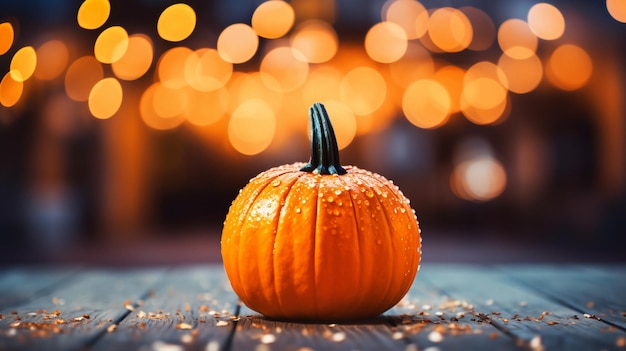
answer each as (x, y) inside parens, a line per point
(299, 245)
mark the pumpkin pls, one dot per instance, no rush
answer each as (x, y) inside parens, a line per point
(318, 241)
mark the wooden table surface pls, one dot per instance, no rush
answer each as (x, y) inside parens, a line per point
(450, 307)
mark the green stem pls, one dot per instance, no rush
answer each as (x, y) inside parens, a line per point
(324, 149)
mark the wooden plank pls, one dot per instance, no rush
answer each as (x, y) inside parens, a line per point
(598, 291)
(20, 285)
(191, 308)
(76, 312)
(526, 315)
(430, 317)
(254, 332)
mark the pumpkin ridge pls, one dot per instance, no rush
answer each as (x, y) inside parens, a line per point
(409, 212)
(249, 206)
(358, 235)
(371, 183)
(279, 303)
(390, 232)
(315, 270)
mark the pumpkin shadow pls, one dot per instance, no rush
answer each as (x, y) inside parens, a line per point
(382, 320)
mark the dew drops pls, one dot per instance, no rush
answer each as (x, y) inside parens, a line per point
(367, 203)
(276, 183)
(369, 193)
(338, 192)
(330, 199)
(298, 210)
(336, 212)
(379, 242)
(402, 209)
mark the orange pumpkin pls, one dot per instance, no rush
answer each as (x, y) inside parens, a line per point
(318, 241)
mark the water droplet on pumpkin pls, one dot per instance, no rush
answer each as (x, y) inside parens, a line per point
(330, 199)
(336, 212)
(367, 203)
(402, 209)
(320, 195)
(298, 210)
(379, 242)
(338, 192)
(276, 183)
(369, 193)
(409, 226)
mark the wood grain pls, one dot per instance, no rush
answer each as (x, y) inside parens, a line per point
(528, 316)
(76, 312)
(191, 307)
(449, 307)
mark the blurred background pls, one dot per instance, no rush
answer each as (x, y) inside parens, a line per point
(128, 127)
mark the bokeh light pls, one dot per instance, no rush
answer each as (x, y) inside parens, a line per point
(52, 59)
(237, 43)
(105, 98)
(137, 59)
(111, 44)
(150, 116)
(363, 89)
(479, 179)
(170, 68)
(284, 69)
(410, 15)
(206, 107)
(23, 63)
(451, 77)
(520, 76)
(7, 35)
(10, 90)
(273, 19)
(385, 42)
(416, 64)
(617, 9)
(92, 14)
(176, 22)
(546, 21)
(322, 84)
(426, 104)
(484, 99)
(450, 30)
(81, 76)
(169, 102)
(244, 87)
(516, 39)
(569, 67)
(251, 127)
(205, 70)
(316, 40)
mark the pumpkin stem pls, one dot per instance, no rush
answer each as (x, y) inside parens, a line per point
(324, 149)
